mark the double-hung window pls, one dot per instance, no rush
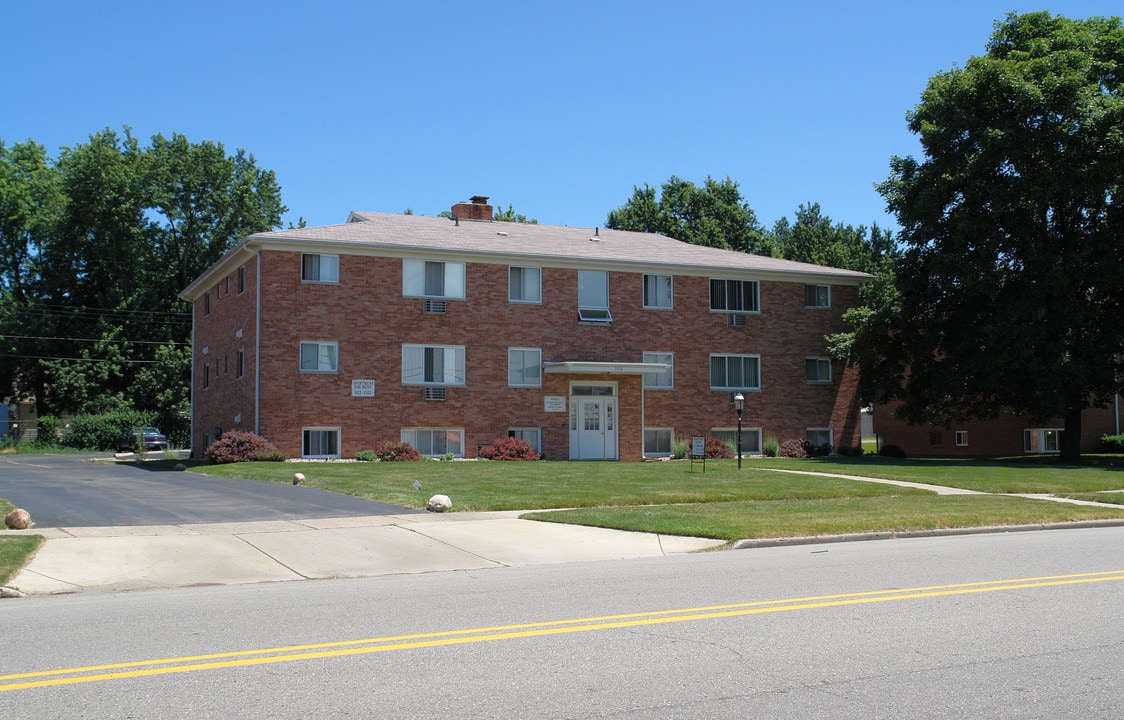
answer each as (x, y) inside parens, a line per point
(593, 297)
(524, 367)
(734, 295)
(524, 284)
(319, 357)
(320, 268)
(433, 365)
(817, 370)
(664, 380)
(817, 296)
(657, 291)
(735, 372)
(427, 278)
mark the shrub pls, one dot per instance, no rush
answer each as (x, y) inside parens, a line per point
(100, 432)
(1112, 443)
(366, 456)
(680, 448)
(892, 451)
(271, 456)
(851, 451)
(771, 446)
(402, 452)
(509, 448)
(237, 446)
(821, 450)
(716, 448)
(48, 430)
(796, 449)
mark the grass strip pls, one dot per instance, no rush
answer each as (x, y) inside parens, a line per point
(809, 517)
(15, 552)
(1115, 498)
(539, 485)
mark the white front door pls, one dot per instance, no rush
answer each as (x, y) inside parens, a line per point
(593, 428)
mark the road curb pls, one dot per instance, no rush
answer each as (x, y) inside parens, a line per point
(753, 543)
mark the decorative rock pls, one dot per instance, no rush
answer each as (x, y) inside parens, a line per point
(298, 478)
(18, 519)
(181, 467)
(439, 503)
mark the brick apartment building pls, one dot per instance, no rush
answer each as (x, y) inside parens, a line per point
(1005, 435)
(449, 333)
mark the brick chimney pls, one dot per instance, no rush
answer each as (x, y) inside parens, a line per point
(477, 208)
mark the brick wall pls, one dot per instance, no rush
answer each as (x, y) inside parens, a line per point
(371, 320)
(997, 436)
(227, 402)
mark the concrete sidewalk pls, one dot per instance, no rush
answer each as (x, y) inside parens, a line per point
(116, 559)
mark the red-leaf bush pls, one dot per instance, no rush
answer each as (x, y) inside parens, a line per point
(796, 449)
(402, 452)
(237, 446)
(509, 448)
(716, 448)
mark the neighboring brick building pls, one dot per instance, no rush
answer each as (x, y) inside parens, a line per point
(449, 333)
(1005, 435)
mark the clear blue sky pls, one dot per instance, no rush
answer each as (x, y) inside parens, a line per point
(557, 108)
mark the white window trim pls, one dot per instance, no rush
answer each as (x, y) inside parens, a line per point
(671, 370)
(524, 349)
(406, 347)
(595, 314)
(825, 360)
(733, 430)
(961, 438)
(830, 434)
(826, 306)
(510, 299)
(318, 343)
(671, 292)
(453, 286)
(671, 445)
(318, 428)
(319, 279)
(402, 437)
(731, 387)
(1040, 433)
(537, 447)
(727, 311)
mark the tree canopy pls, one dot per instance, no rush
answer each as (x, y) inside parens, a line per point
(95, 247)
(1012, 281)
(714, 215)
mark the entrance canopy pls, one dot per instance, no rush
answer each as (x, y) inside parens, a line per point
(605, 368)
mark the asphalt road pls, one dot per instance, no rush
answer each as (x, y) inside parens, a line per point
(71, 491)
(989, 627)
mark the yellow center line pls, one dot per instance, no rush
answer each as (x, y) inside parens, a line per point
(292, 653)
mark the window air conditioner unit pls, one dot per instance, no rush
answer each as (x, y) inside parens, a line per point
(434, 307)
(736, 319)
(434, 393)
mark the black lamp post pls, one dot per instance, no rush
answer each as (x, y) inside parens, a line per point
(739, 405)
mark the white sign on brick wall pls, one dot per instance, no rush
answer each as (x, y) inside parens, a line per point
(362, 388)
(554, 403)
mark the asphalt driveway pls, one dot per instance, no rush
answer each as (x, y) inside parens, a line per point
(73, 491)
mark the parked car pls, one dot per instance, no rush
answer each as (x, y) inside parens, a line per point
(142, 438)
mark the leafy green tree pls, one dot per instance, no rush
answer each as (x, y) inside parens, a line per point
(116, 231)
(510, 215)
(1012, 281)
(714, 215)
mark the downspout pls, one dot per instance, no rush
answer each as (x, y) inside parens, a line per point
(257, 348)
(191, 402)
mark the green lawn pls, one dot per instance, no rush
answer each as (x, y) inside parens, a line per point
(15, 551)
(676, 498)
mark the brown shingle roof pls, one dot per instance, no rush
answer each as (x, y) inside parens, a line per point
(504, 242)
(415, 232)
